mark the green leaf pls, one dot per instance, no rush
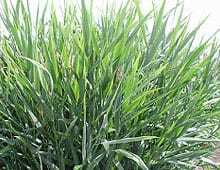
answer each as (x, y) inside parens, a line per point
(133, 157)
(195, 139)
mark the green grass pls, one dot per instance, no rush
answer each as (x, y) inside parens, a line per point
(107, 93)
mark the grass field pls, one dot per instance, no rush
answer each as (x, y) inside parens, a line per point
(124, 91)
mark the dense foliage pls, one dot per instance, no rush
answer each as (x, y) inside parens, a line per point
(124, 91)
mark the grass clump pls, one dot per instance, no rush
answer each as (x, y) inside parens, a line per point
(113, 93)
